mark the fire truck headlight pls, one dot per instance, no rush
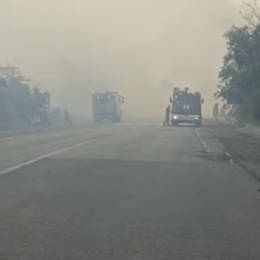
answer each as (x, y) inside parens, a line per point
(175, 117)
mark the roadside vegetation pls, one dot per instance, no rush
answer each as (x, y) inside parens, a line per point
(23, 104)
(240, 74)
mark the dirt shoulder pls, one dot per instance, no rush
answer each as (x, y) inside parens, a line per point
(242, 143)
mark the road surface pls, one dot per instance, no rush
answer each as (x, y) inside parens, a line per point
(131, 191)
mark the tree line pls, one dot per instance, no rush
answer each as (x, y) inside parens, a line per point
(239, 75)
(22, 103)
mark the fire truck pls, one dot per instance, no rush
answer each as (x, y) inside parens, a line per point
(107, 106)
(186, 107)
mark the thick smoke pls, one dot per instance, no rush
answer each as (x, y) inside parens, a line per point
(142, 48)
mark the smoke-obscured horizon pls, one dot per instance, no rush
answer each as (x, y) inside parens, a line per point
(142, 48)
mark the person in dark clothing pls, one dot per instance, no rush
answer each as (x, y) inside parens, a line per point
(67, 116)
(167, 116)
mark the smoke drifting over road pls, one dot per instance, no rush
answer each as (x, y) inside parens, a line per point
(141, 48)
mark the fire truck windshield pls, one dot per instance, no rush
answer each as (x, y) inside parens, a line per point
(187, 104)
(105, 100)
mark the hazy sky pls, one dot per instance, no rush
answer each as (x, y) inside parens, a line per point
(140, 47)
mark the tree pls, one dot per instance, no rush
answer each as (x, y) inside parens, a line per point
(250, 12)
(240, 74)
(19, 101)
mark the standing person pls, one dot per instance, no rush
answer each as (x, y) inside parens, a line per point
(67, 116)
(167, 116)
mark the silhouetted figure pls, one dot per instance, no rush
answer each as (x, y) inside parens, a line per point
(67, 116)
(167, 116)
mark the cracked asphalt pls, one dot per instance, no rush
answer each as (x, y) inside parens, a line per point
(130, 191)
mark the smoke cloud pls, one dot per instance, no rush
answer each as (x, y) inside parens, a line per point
(142, 48)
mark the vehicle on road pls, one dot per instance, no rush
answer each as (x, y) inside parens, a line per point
(186, 107)
(107, 106)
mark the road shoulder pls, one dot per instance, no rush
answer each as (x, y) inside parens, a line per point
(242, 144)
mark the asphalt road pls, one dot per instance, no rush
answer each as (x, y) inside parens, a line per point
(131, 191)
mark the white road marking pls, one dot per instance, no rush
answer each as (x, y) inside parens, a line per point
(202, 141)
(32, 161)
(223, 148)
(225, 151)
